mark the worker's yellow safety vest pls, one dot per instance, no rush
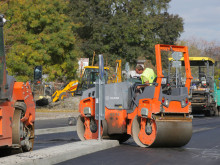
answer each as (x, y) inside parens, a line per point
(148, 75)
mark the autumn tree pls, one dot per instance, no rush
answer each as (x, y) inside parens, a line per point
(40, 33)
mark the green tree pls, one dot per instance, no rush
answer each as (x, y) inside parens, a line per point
(40, 33)
(126, 29)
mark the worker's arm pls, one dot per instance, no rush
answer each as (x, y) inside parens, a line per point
(143, 85)
(146, 83)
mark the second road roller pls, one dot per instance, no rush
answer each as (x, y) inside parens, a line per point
(156, 116)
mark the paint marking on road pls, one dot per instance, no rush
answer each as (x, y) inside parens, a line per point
(205, 153)
(55, 130)
(204, 129)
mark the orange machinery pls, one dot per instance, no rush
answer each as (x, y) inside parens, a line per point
(154, 117)
(17, 108)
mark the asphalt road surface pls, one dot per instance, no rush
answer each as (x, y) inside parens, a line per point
(49, 140)
(203, 149)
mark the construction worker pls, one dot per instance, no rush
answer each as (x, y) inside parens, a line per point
(147, 75)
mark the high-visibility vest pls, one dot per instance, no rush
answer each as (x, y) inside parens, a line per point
(148, 75)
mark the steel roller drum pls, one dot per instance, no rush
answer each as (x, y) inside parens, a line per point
(173, 133)
(170, 132)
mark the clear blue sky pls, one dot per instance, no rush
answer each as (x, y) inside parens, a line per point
(201, 18)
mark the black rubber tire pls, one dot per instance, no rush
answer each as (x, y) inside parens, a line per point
(20, 109)
(120, 137)
(42, 102)
(124, 138)
(20, 106)
(216, 112)
(207, 113)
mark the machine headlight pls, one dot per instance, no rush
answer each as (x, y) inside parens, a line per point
(87, 111)
(165, 101)
(144, 112)
(183, 103)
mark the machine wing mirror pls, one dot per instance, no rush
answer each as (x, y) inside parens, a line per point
(38, 74)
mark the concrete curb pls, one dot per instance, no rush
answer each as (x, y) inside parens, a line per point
(60, 153)
(55, 130)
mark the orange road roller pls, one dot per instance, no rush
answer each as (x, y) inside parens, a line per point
(17, 109)
(158, 115)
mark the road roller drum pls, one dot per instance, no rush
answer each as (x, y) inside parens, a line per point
(162, 132)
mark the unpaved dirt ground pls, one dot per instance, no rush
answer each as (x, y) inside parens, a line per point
(61, 109)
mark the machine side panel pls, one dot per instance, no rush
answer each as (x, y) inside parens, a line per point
(22, 92)
(118, 95)
(6, 117)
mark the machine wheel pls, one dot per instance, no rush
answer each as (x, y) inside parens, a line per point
(124, 138)
(22, 135)
(216, 113)
(80, 128)
(207, 113)
(120, 137)
(62, 96)
(211, 112)
(142, 135)
(162, 132)
(87, 128)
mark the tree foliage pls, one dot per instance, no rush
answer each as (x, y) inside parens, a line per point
(126, 29)
(40, 33)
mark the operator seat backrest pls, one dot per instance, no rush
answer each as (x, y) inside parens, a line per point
(179, 91)
(117, 95)
(202, 74)
(177, 94)
(147, 93)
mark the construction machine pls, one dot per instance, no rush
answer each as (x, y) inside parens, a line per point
(69, 89)
(153, 116)
(203, 93)
(118, 73)
(218, 98)
(88, 79)
(17, 108)
(90, 75)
